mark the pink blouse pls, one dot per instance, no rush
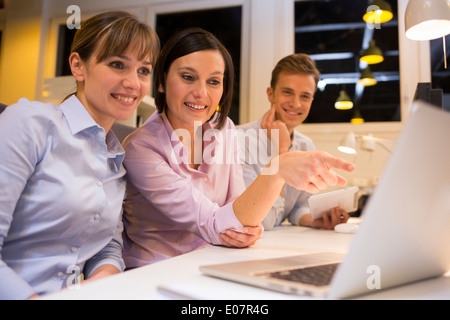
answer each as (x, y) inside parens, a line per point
(170, 208)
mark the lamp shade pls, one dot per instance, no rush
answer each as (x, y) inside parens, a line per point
(379, 11)
(343, 102)
(372, 54)
(367, 78)
(348, 143)
(427, 19)
(357, 118)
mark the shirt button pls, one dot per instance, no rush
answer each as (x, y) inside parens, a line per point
(205, 179)
(73, 249)
(60, 274)
(96, 217)
(99, 183)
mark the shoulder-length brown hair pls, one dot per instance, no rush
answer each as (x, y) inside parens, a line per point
(183, 43)
(111, 34)
(115, 32)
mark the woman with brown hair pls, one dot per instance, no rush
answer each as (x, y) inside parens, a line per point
(185, 185)
(61, 171)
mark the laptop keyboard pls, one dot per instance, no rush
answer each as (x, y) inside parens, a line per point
(317, 275)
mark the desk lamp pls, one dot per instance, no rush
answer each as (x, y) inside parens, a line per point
(350, 141)
(427, 20)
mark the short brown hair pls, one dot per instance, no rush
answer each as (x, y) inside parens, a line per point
(295, 63)
(115, 32)
(183, 43)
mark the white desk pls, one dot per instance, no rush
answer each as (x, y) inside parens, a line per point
(182, 273)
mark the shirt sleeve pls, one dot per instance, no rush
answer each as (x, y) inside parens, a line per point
(172, 192)
(19, 144)
(111, 254)
(301, 206)
(300, 209)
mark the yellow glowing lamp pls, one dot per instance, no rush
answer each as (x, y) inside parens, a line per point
(357, 118)
(379, 11)
(343, 102)
(372, 54)
(367, 78)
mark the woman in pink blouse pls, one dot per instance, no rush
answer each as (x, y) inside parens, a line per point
(185, 185)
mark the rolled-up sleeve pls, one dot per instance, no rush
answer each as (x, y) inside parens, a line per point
(111, 254)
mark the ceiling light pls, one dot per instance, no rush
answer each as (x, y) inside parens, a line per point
(367, 78)
(379, 11)
(357, 118)
(343, 102)
(372, 54)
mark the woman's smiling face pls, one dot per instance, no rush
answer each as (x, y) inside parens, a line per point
(113, 88)
(193, 88)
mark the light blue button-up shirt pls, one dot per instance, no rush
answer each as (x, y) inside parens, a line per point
(294, 204)
(61, 191)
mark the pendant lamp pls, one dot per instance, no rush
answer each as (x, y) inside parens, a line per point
(367, 78)
(372, 54)
(427, 19)
(343, 102)
(379, 11)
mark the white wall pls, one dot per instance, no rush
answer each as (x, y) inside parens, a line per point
(267, 36)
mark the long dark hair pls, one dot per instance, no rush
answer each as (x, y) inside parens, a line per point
(183, 43)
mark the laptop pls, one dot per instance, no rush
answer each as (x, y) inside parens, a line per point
(404, 234)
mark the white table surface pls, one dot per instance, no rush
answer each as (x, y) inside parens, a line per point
(181, 274)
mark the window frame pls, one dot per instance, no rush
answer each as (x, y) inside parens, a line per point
(260, 29)
(175, 7)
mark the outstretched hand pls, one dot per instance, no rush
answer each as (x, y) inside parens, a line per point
(312, 171)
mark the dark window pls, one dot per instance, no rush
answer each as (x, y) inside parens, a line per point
(224, 23)
(440, 76)
(334, 34)
(65, 38)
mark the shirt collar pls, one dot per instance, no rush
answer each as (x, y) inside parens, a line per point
(177, 144)
(115, 149)
(79, 119)
(76, 115)
(206, 126)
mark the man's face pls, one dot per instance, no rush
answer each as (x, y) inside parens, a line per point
(292, 96)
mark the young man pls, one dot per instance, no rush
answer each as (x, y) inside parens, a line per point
(291, 93)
